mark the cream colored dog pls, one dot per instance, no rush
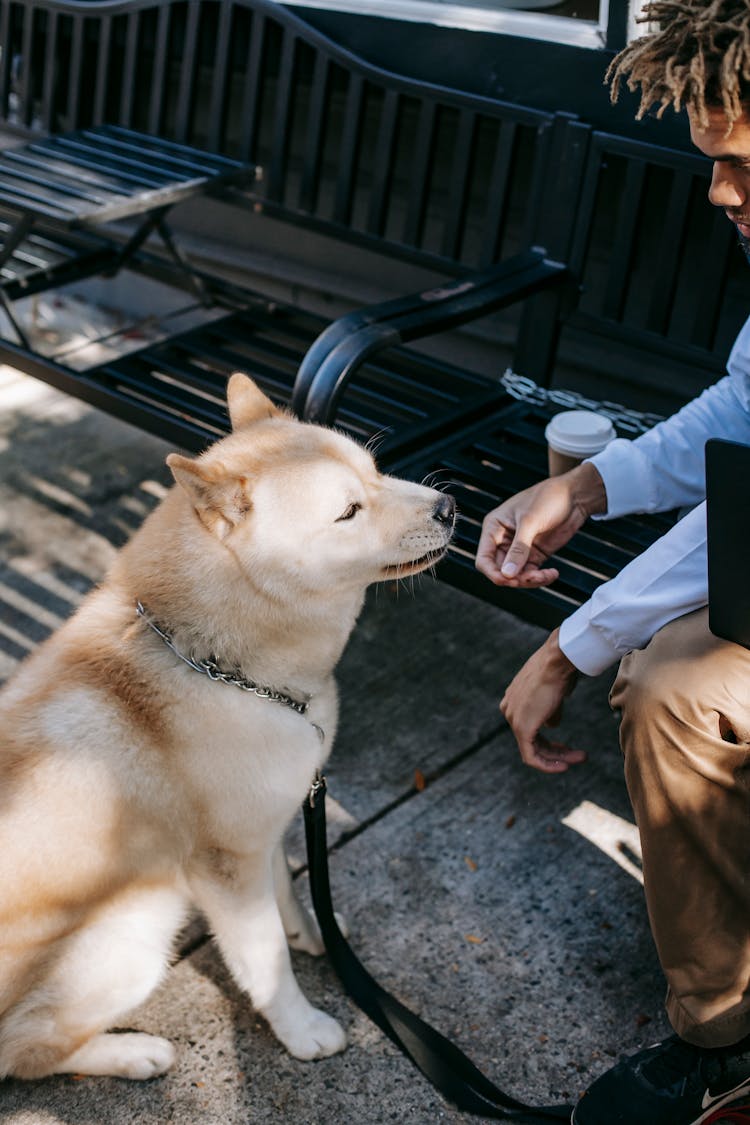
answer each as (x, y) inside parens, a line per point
(131, 785)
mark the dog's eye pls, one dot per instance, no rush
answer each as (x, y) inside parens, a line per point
(350, 512)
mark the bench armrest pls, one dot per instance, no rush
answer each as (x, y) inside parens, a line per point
(337, 353)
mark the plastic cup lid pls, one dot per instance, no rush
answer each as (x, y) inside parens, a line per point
(580, 433)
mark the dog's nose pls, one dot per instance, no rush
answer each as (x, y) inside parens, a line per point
(445, 510)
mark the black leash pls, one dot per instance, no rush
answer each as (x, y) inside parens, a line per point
(448, 1068)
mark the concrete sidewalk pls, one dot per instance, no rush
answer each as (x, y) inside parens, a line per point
(502, 905)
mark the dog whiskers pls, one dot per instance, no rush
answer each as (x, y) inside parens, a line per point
(432, 480)
(373, 443)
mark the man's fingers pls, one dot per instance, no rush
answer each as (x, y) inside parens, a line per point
(531, 756)
(549, 766)
(491, 550)
(518, 553)
(516, 557)
(549, 757)
(531, 577)
(557, 755)
(509, 558)
(488, 562)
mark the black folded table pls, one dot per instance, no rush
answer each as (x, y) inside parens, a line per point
(78, 182)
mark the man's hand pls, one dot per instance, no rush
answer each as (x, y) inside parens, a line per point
(518, 536)
(534, 700)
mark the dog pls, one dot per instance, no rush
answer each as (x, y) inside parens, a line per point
(154, 749)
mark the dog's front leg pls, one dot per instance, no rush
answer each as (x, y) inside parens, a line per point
(238, 898)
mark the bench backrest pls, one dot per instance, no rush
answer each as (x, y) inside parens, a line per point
(426, 173)
(662, 276)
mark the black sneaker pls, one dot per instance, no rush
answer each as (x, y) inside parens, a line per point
(672, 1083)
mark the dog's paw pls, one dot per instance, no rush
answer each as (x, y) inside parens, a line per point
(315, 1036)
(144, 1056)
(129, 1054)
(309, 939)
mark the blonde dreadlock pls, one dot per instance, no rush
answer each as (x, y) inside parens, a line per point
(699, 59)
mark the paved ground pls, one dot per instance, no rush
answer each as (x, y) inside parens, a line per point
(503, 905)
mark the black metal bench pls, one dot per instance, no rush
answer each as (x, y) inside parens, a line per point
(506, 203)
(291, 84)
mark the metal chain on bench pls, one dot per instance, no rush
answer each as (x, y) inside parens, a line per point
(626, 420)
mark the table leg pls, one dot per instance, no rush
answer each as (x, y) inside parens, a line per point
(7, 306)
(182, 263)
(136, 240)
(156, 222)
(16, 235)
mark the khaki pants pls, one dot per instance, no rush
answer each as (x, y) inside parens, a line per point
(685, 735)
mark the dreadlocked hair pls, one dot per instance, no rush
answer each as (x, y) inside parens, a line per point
(699, 59)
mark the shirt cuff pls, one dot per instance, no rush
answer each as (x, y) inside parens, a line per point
(628, 479)
(586, 647)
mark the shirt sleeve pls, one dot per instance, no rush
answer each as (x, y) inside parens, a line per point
(668, 580)
(664, 468)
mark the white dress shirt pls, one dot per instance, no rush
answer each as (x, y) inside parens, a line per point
(661, 470)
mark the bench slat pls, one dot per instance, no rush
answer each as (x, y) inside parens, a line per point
(420, 174)
(461, 162)
(282, 119)
(348, 147)
(220, 76)
(383, 163)
(187, 72)
(314, 126)
(497, 193)
(132, 24)
(50, 63)
(672, 234)
(156, 99)
(250, 111)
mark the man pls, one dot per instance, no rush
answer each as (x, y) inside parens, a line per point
(684, 695)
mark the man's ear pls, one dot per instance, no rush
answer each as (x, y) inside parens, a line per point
(220, 500)
(246, 402)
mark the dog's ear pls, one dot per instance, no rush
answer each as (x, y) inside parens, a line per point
(220, 499)
(246, 402)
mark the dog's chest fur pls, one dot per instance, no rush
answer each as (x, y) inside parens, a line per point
(247, 762)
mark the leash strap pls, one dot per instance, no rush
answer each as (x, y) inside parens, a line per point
(448, 1068)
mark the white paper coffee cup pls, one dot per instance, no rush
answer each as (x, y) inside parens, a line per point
(574, 435)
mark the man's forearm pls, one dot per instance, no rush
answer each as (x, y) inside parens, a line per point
(589, 492)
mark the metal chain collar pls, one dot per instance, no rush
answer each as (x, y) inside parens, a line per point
(211, 669)
(625, 419)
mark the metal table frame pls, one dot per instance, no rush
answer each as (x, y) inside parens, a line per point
(92, 177)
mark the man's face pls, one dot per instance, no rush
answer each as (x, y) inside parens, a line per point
(730, 182)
